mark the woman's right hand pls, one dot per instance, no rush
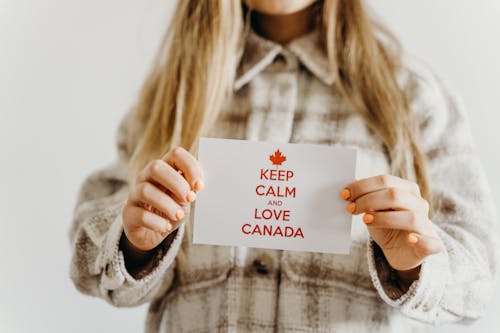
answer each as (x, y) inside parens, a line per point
(158, 200)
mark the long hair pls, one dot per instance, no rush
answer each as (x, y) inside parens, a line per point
(192, 76)
(195, 68)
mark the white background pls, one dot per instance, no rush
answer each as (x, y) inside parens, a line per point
(69, 70)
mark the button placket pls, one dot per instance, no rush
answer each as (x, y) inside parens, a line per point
(273, 94)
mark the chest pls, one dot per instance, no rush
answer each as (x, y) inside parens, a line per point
(292, 106)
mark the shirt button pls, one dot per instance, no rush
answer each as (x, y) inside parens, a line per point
(108, 271)
(280, 58)
(263, 264)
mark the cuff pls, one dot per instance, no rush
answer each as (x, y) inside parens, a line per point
(113, 263)
(421, 300)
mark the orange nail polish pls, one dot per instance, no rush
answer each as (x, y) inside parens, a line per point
(191, 196)
(368, 218)
(351, 207)
(179, 215)
(345, 194)
(198, 185)
(412, 238)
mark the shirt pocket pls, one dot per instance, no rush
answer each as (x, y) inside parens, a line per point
(325, 270)
(202, 266)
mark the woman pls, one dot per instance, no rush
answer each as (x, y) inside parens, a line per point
(291, 71)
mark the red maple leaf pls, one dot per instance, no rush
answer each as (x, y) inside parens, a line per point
(277, 158)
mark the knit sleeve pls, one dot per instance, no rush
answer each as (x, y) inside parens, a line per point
(97, 265)
(454, 285)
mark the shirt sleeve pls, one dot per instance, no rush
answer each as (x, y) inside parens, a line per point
(454, 285)
(97, 265)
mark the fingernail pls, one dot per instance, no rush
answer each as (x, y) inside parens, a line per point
(345, 194)
(169, 227)
(179, 215)
(191, 196)
(351, 207)
(412, 238)
(368, 218)
(198, 185)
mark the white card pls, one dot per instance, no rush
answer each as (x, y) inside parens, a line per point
(274, 195)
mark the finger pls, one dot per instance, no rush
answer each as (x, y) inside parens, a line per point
(190, 167)
(398, 219)
(175, 224)
(388, 199)
(148, 193)
(425, 245)
(149, 220)
(366, 185)
(164, 174)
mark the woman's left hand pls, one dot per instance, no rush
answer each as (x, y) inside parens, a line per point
(397, 219)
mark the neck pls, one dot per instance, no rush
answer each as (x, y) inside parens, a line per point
(284, 28)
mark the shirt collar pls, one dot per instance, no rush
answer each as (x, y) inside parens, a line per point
(259, 52)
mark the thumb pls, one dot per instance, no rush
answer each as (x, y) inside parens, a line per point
(425, 245)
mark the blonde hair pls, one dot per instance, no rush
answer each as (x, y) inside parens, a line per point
(192, 76)
(195, 68)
